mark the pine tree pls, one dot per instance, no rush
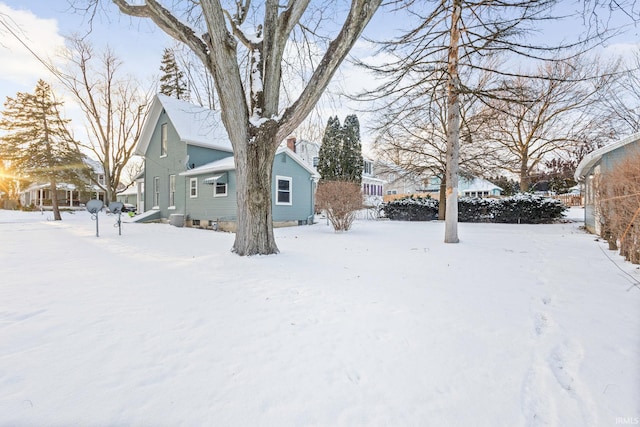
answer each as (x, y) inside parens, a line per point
(37, 140)
(351, 156)
(172, 81)
(329, 157)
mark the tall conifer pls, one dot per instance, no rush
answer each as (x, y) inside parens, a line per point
(172, 81)
(351, 155)
(37, 140)
(329, 161)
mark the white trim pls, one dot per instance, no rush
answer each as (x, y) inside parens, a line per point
(172, 205)
(226, 190)
(594, 157)
(290, 180)
(191, 195)
(211, 180)
(164, 140)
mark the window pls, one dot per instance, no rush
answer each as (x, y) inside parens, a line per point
(193, 188)
(156, 191)
(172, 190)
(163, 140)
(101, 179)
(368, 167)
(220, 189)
(283, 193)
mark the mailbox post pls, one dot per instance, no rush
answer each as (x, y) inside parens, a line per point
(94, 206)
(116, 208)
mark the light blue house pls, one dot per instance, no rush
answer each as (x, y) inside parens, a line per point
(596, 163)
(468, 186)
(189, 174)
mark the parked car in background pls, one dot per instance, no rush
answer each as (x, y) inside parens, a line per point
(128, 207)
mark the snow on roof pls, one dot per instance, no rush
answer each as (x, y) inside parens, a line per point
(221, 165)
(95, 165)
(227, 164)
(481, 184)
(594, 157)
(194, 124)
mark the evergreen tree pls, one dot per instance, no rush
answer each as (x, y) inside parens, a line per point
(37, 140)
(351, 156)
(172, 81)
(329, 157)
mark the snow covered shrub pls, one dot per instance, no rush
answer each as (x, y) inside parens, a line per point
(526, 208)
(411, 209)
(521, 208)
(339, 200)
(474, 209)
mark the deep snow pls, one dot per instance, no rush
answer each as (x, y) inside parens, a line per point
(384, 325)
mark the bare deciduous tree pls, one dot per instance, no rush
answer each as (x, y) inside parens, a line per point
(534, 119)
(114, 108)
(456, 37)
(621, 103)
(252, 114)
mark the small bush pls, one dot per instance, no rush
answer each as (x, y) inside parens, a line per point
(521, 209)
(340, 200)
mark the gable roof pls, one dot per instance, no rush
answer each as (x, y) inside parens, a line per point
(195, 125)
(594, 157)
(228, 164)
(481, 184)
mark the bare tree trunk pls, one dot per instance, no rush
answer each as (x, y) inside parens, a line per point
(524, 175)
(54, 199)
(442, 202)
(453, 130)
(254, 163)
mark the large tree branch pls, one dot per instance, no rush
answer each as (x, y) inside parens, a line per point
(359, 16)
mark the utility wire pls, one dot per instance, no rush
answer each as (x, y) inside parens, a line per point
(634, 282)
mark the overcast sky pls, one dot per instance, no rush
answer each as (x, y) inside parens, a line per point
(43, 25)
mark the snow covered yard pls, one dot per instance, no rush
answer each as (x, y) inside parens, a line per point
(385, 325)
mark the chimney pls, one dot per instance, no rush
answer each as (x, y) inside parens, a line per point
(291, 143)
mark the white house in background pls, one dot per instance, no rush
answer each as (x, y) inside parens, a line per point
(372, 186)
(398, 181)
(308, 151)
(38, 194)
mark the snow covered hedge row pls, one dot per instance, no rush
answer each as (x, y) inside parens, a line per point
(521, 208)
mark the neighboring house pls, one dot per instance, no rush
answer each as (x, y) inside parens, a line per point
(471, 186)
(69, 195)
(308, 151)
(398, 181)
(372, 186)
(129, 196)
(598, 162)
(189, 172)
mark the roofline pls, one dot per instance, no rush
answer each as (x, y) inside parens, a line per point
(203, 170)
(149, 126)
(298, 160)
(594, 157)
(213, 146)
